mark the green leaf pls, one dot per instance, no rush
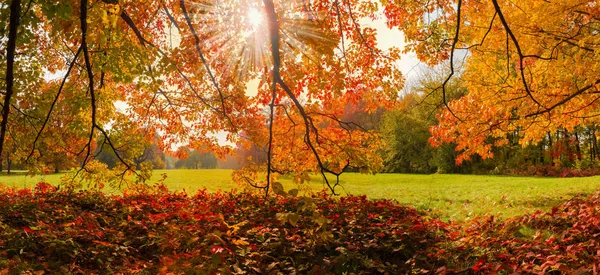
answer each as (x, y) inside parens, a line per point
(216, 259)
(293, 218)
(278, 188)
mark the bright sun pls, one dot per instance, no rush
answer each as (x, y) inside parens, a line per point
(255, 18)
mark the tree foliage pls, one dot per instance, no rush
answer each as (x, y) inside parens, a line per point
(181, 68)
(406, 129)
(77, 69)
(531, 66)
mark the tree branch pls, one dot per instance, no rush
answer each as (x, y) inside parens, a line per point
(88, 66)
(62, 84)
(454, 42)
(565, 100)
(521, 56)
(206, 66)
(308, 124)
(132, 25)
(90, 74)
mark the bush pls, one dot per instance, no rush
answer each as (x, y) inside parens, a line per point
(551, 171)
(563, 241)
(155, 231)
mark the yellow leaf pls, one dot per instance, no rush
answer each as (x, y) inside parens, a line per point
(240, 242)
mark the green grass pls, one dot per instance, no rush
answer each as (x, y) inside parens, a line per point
(460, 197)
(449, 197)
(20, 179)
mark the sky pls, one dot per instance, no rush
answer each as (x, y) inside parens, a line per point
(386, 38)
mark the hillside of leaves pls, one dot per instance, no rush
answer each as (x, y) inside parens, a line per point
(154, 231)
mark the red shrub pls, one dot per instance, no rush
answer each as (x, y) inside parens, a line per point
(155, 231)
(62, 231)
(563, 241)
(551, 171)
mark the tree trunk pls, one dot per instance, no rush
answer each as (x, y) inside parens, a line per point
(541, 148)
(550, 149)
(566, 142)
(594, 145)
(15, 12)
(591, 150)
(508, 149)
(577, 147)
(8, 163)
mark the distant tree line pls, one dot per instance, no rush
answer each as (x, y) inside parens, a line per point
(407, 150)
(194, 159)
(190, 158)
(136, 148)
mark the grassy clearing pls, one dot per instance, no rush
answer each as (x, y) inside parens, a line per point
(448, 197)
(20, 179)
(460, 197)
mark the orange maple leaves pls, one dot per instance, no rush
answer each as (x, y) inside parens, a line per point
(531, 67)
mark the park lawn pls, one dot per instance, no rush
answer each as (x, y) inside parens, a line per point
(20, 179)
(448, 197)
(462, 197)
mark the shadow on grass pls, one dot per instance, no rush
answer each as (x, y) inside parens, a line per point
(540, 203)
(14, 173)
(549, 202)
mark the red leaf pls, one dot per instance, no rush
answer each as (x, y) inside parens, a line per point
(101, 243)
(216, 249)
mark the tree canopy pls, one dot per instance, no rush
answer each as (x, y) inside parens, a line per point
(81, 70)
(531, 69)
(181, 68)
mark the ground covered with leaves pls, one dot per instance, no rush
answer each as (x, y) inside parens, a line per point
(49, 230)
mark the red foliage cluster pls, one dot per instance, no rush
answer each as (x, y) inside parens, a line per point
(63, 231)
(563, 241)
(552, 171)
(156, 231)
